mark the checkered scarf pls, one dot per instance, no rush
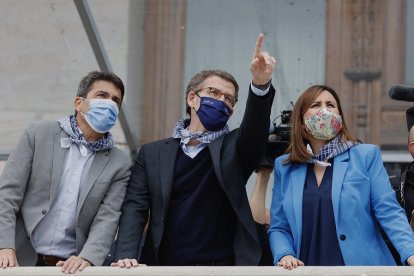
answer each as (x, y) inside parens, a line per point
(69, 125)
(181, 131)
(330, 150)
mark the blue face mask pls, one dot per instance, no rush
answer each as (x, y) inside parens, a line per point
(213, 113)
(102, 114)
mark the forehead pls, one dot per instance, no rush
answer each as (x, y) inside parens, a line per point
(219, 83)
(102, 85)
(325, 96)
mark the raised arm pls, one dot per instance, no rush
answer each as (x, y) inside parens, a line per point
(262, 65)
(254, 129)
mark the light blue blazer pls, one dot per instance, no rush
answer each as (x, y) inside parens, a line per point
(361, 195)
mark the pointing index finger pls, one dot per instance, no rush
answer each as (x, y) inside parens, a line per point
(258, 47)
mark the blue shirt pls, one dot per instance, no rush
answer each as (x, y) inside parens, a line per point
(320, 245)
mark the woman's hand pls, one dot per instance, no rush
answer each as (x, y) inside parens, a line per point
(289, 262)
(410, 260)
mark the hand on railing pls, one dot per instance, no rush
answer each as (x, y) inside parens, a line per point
(289, 262)
(127, 263)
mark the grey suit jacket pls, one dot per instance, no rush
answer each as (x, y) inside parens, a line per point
(28, 187)
(234, 156)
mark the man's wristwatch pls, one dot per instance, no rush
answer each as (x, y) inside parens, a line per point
(262, 87)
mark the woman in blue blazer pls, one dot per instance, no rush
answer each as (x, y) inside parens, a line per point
(329, 193)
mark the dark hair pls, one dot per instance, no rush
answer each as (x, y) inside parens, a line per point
(299, 137)
(86, 83)
(199, 78)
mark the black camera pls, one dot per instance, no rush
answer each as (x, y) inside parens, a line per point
(279, 138)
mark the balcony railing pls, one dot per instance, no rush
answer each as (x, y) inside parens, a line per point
(215, 271)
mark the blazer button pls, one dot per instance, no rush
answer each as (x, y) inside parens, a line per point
(44, 212)
(342, 237)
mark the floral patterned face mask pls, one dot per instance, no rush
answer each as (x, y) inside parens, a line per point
(324, 125)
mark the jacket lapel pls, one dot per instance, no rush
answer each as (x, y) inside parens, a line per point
(215, 148)
(58, 161)
(340, 165)
(98, 164)
(297, 182)
(167, 157)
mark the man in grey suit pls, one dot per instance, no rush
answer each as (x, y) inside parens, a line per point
(191, 187)
(62, 187)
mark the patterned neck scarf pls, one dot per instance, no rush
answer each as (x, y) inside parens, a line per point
(70, 126)
(330, 150)
(181, 131)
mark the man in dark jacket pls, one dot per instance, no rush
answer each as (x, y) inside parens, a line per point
(406, 191)
(191, 187)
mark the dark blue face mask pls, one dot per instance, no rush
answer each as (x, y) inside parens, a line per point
(213, 114)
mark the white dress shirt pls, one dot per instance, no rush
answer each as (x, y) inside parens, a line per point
(56, 232)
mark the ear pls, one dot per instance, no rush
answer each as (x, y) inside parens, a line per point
(191, 99)
(303, 125)
(411, 148)
(78, 104)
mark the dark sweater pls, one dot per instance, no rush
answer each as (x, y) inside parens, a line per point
(200, 224)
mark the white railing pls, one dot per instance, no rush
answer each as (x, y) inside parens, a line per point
(215, 271)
